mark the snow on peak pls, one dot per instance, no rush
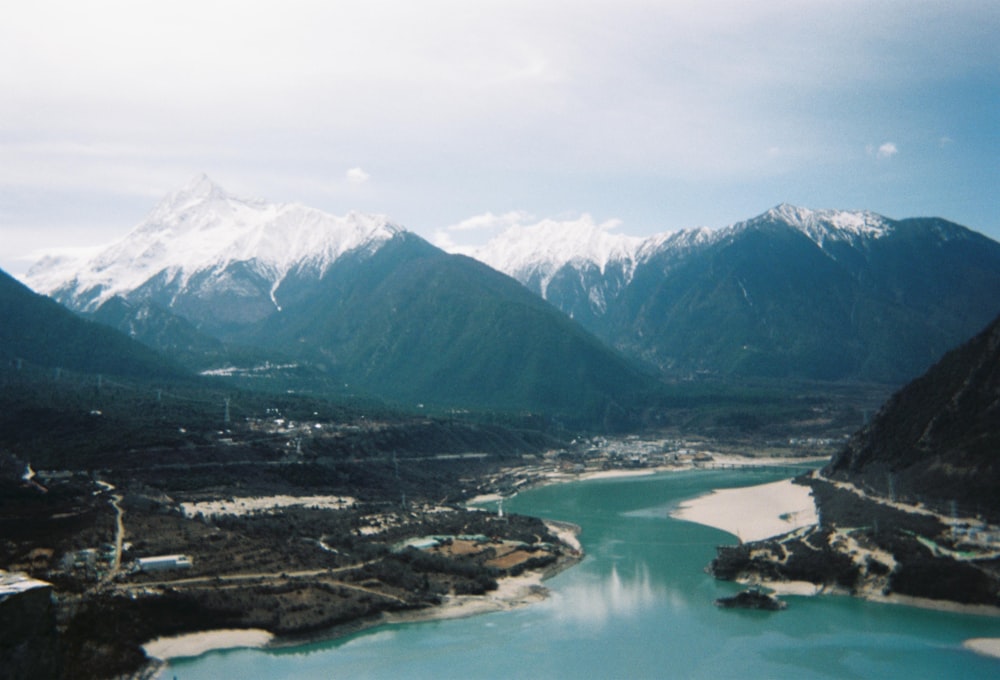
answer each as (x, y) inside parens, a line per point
(201, 227)
(833, 225)
(543, 248)
(536, 252)
(678, 241)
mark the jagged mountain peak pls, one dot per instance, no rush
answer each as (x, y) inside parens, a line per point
(824, 225)
(524, 251)
(201, 228)
(200, 187)
(195, 196)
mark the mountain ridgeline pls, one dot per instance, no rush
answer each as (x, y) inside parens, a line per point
(417, 323)
(368, 307)
(363, 306)
(39, 331)
(793, 293)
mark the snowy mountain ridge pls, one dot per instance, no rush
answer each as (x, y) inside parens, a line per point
(202, 228)
(824, 225)
(537, 252)
(540, 250)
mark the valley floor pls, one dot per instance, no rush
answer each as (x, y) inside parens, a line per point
(271, 554)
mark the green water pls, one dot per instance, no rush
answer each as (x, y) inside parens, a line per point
(639, 606)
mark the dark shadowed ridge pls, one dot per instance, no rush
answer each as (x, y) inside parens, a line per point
(768, 298)
(412, 322)
(40, 331)
(937, 440)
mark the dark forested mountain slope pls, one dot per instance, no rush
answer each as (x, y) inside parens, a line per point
(791, 293)
(937, 439)
(38, 330)
(416, 323)
(357, 302)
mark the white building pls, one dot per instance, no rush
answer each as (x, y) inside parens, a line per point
(163, 563)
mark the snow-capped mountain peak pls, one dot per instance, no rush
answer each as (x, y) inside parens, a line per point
(202, 228)
(196, 195)
(824, 225)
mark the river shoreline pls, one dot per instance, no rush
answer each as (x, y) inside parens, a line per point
(776, 508)
(528, 588)
(512, 592)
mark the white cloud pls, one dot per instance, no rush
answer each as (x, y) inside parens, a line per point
(357, 177)
(611, 107)
(883, 152)
(490, 222)
(517, 229)
(463, 237)
(444, 240)
(886, 150)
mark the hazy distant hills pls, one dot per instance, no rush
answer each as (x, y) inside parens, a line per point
(363, 302)
(39, 331)
(790, 293)
(938, 439)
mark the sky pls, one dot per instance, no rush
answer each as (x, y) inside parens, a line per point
(457, 119)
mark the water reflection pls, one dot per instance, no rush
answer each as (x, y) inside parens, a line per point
(609, 598)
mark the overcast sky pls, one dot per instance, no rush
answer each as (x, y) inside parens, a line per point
(455, 118)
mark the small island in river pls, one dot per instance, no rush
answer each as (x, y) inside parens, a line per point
(751, 598)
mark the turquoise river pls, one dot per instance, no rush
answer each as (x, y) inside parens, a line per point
(639, 606)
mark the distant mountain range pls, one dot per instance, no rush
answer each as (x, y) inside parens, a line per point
(363, 302)
(215, 280)
(819, 294)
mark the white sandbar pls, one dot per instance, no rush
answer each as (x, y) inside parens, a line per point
(753, 513)
(196, 644)
(984, 646)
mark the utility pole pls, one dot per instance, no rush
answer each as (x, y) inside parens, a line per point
(954, 519)
(226, 417)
